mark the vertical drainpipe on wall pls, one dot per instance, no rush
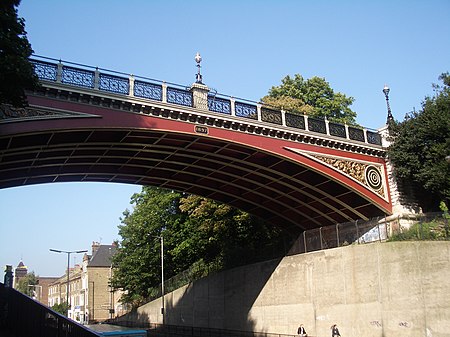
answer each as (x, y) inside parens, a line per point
(304, 241)
(357, 230)
(337, 235)
(379, 233)
(321, 239)
(91, 312)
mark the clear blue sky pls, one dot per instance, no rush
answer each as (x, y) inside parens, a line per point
(247, 47)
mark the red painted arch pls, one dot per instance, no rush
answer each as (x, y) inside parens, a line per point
(280, 180)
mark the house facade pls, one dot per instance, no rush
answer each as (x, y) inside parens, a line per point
(91, 298)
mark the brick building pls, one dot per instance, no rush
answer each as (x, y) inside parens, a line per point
(40, 289)
(20, 272)
(90, 296)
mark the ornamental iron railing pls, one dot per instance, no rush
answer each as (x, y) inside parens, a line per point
(148, 90)
(337, 130)
(246, 110)
(179, 96)
(218, 104)
(271, 116)
(295, 121)
(77, 77)
(317, 125)
(73, 74)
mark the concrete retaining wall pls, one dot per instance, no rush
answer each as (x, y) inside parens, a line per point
(378, 289)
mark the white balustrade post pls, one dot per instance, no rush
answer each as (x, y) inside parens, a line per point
(283, 117)
(131, 89)
(164, 92)
(233, 106)
(59, 72)
(96, 79)
(365, 135)
(258, 112)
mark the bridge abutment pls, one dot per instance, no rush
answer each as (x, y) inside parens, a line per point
(404, 205)
(378, 289)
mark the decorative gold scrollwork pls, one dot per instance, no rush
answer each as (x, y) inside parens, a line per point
(368, 175)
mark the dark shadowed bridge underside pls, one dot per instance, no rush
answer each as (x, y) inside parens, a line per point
(275, 189)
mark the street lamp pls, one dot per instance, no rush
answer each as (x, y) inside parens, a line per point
(162, 275)
(198, 59)
(386, 90)
(68, 268)
(36, 295)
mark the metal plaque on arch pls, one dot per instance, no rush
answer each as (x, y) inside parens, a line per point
(201, 129)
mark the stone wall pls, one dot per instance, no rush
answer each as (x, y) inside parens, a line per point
(378, 289)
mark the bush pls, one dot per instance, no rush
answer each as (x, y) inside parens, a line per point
(436, 229)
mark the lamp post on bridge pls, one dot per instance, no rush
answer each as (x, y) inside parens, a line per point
(68, 269)
(198, 59)
(390, 118)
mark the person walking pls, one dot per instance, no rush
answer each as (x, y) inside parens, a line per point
(335, 331)
(301, 331)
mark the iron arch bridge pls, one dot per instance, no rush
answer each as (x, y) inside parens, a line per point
(89, 124)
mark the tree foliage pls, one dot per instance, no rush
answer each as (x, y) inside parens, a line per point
(229, 236)
(313, 97)
(26, 284)
(16, 71)
(195, 231)
(61, 308)
(421, 144)
(137, 263)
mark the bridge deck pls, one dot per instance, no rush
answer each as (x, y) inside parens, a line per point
(295, 172)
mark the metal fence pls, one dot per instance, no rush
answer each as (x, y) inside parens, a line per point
(410, 227)
(22, 316)
(424, 226)
(167, 330)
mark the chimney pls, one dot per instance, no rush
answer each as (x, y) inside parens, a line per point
(95, 246)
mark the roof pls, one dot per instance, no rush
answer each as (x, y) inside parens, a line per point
(21, 265)
(103, 256)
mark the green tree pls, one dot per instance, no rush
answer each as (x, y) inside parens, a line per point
(26, 285)
(196, 231)
(228, 237)
(16, 71)
(313, 97)
(420, 145)
(137, 262)
(61, 308)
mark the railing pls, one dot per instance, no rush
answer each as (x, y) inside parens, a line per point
(167, 330)
(424, 226)
(87, 77)
(22, 316)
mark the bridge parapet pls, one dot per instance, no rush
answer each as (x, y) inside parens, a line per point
(102, 80)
